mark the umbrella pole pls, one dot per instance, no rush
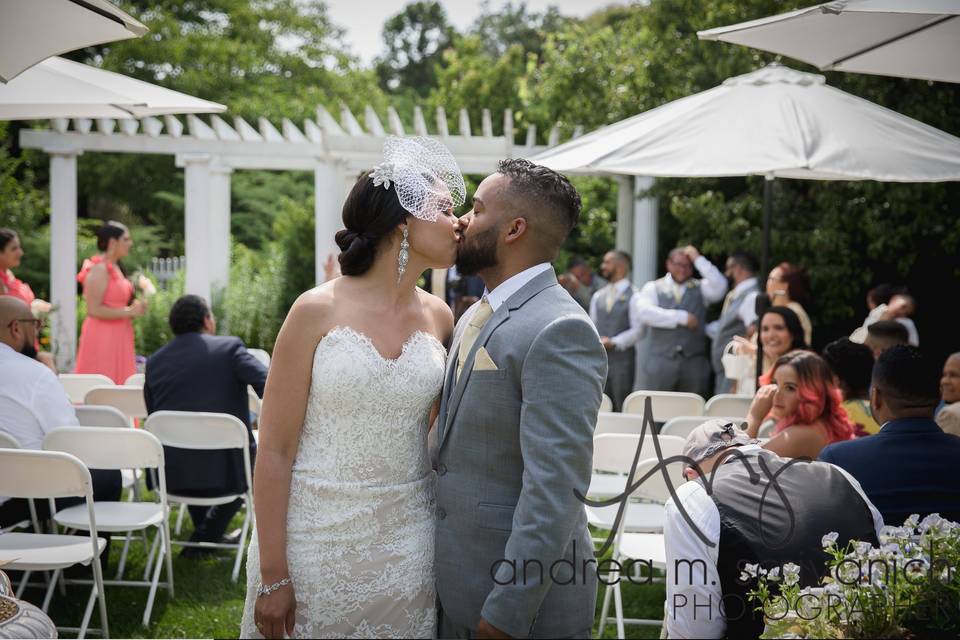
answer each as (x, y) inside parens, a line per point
(763, 302)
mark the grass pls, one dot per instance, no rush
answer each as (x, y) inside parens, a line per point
(209, 605)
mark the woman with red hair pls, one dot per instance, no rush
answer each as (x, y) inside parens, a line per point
(806, 404)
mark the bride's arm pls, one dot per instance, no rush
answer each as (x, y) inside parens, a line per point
(284, 407)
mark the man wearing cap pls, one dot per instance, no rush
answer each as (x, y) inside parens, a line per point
(724, 528)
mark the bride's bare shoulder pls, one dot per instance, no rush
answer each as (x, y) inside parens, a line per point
(441, 315)
(313, 308)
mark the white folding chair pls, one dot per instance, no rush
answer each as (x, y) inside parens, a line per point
(135, 380)
(129, 400)
(208, 431)
(632, 546)
(608, 422)
(606, 404)
(52, 474)
(260, 355)
(107, 448)
(101, 415)
(613, 455)
(77, 384)
(728, 404)
(253, 406)
(666, 404)
(7, 441)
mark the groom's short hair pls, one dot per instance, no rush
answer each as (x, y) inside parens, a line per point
(544, 196)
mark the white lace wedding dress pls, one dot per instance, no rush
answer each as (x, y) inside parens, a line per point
(360, 524)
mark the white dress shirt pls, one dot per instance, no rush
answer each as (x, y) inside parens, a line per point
(683, 544)
(32, 400)
(632, 334)
(713, 286)
(747, 311)
(513, 284)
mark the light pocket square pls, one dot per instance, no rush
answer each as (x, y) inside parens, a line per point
(483, 361)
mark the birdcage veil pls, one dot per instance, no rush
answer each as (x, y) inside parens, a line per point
(423, 172)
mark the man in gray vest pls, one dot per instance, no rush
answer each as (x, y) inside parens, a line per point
(581, 282)
(745, 505)
(614, 315)
(738, 314)
(674, 355)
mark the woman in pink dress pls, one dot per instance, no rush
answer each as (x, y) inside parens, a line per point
(10, 254)
(106, 339)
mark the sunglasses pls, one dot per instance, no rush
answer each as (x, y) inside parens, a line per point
(37, 322)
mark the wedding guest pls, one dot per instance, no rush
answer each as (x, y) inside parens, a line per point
(806, 405)
(11, 252)
(910, 465)
(889, 302)
(581, 282)
(852, 366)
(613, 313)
(32, 402)
(949, 418)
(737, 316)
(884, 334)
(780, 332)
(674, 307)
(201, 371)
(789, 286)
(950, 382)
(759, 527)
(106, 338)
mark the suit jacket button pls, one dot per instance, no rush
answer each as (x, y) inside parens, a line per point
(441, 513)
(442, 469)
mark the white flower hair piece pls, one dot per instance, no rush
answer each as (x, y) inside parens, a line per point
(382, 174)
(424, 173)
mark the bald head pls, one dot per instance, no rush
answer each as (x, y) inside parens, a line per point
(13, 332)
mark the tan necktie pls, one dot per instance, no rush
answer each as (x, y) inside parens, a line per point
(726, 303)
(484, 311)
(611, 297)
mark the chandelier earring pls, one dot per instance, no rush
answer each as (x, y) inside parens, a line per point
(404, 256)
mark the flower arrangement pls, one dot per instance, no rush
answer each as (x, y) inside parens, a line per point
(908, 586)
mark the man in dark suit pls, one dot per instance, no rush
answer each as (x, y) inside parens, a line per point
(910, 466)
(200, 371)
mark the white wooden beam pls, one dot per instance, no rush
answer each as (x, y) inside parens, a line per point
(63, 254)
(196, 204)
(200, 129)
(327, 123)
(464, 123)
(486, 124)
(82, 125)
(442, 123)
(223, 130)
(372, 121)
(129, 126)
(396, 125)
(312, 131)
(173, 125)
(268, 131)
(420, 123)
(151, 126)
(349, 122)
(508, 126)
(246, 130)
(106, 126)
(291, 132)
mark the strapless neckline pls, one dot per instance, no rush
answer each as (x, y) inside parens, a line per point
(365, 340)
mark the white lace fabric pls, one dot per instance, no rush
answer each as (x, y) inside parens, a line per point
(424, 173)
(360, 522)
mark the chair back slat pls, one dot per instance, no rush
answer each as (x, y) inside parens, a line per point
(107, 448)
(129, 400)
(42, 474)
(198, 430)
(101, 415)
(78, 384)
(666, 404)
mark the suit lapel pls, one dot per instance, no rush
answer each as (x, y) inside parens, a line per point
(536, 285)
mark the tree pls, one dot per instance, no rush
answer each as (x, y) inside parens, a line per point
(512, 24)
(415, 40)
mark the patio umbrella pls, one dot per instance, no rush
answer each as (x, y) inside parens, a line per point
(32, 30)
(59, 88)
(904, 38)
(774, 122)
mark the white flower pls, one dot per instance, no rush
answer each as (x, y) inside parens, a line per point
(912, 522)
(750, 570)
(933, 523)
(774, 574)
(382, 174)
(862, 548)
(791, 574)
(829, 540)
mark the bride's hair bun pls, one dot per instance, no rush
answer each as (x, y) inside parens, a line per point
(370, 213)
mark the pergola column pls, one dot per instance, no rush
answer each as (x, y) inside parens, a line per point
(196, 209)
(328, 196)
(625, 212)
(219, 239)
(63, 254)
(644, 232)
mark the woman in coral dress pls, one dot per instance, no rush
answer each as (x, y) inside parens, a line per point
(10, 254)
(106, 339)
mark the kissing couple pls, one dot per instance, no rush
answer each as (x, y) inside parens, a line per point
(416, 479)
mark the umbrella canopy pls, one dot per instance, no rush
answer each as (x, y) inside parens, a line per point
(58, 88)
(904, 38)
(32, 30)
(776, 122)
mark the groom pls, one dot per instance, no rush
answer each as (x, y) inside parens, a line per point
(515, 433)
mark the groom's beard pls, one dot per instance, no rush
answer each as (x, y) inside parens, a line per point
(29, 350)
(478, 253)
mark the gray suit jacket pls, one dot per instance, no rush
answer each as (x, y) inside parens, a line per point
(514, 443)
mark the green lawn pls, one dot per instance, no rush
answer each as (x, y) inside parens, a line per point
(208, 604)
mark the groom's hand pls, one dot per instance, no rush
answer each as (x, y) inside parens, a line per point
(487, 630)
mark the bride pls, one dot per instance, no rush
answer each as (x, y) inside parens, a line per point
(343, 487)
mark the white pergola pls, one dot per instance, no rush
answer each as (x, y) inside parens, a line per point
(335, 151)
